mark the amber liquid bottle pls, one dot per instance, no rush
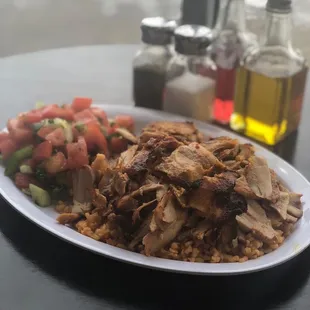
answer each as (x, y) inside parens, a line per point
(231, 43)
(271, 82)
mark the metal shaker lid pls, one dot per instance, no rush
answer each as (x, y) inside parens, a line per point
(192, 39)
(280, 6)
(157, 30)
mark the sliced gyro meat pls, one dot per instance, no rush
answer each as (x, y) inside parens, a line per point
(83, 185)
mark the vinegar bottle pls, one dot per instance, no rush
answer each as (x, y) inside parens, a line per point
(232, 41)
(271, 82)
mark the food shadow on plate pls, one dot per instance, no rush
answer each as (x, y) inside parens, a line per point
(102, 278)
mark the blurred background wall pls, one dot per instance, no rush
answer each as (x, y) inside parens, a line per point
(31, 25)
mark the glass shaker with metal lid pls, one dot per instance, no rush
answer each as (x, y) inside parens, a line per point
(150, 62)
(191, 73)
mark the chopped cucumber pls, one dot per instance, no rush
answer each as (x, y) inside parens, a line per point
(80, 127)
(40, 104)
(111, 122)
(26, 169)
(13, 162)
(40, 196)
(60, 121)
(26, 191)
(37, 126)
(45, 122)
(66, 127)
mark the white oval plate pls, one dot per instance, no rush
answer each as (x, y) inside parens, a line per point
(293, 245)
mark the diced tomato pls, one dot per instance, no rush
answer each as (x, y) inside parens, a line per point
(75, 133)
(125, 121)
(118, 145)
(95, 139)
(14, 123)
(77, 154)
(34, 116)
(57, 137)
(101, 115)
(53, 111)
(43, 151)
(45, 130)
(80, 104)
(86, 117)
(23, 180)
(4, 136)
(56, 163)
(8, 147)
(23, 136)
(19, 132)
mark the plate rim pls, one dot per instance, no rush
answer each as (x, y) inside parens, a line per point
(86, 243)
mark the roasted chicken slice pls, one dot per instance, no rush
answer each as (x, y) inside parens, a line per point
(130, 202)
(219, 144)
(246, 151)
(158, 239)
(281, 205)
(188, 164)
(119, 184)
(258, 177)
(216, 207)
(242, 187)
(221, 182)
(165, 212)
(126, 157)
(185, 132)
(99, 201)
(257, 222)
(151, 153)
(83, 186)
(141, 232)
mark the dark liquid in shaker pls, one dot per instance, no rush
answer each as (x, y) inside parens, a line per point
(148, 88)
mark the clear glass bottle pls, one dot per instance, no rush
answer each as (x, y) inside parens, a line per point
(271, 82)
(150, 62)
(231, 43)
(191, 74)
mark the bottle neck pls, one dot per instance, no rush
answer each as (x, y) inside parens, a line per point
(232, 16)
(278, 29)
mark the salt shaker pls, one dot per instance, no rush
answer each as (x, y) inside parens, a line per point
(191, 74)
(150, 62)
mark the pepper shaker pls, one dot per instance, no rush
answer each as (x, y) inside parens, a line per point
(150, 62)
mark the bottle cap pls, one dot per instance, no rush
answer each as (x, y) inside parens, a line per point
(157, 30)
(192, 39)
(279, 6)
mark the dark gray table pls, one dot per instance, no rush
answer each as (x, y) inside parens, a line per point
(40, 272)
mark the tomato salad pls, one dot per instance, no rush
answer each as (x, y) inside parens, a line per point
(43, 145)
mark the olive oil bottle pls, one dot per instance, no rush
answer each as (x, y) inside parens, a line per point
(270, 83)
